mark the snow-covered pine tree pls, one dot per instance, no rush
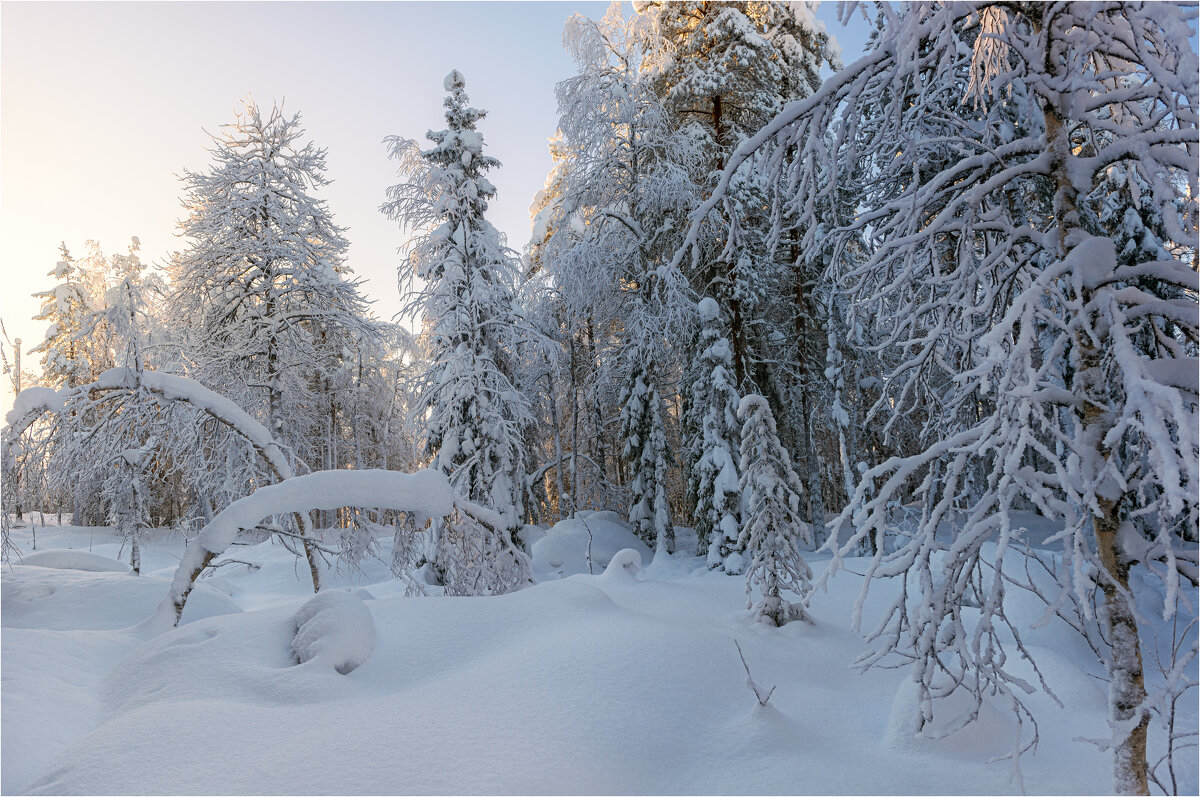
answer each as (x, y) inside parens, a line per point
(646, 452)
(712, 413)
(772, 526)
(461, 280)
(1075, 391)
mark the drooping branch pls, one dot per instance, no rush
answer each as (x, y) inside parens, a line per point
(424, 493)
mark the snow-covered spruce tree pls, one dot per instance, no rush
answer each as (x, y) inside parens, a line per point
(262, 283)
(712, 408)
(772, 525)
(461, 281)
(65, 360)
(646, 452)
(1082, 356)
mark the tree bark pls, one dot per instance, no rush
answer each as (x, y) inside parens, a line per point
(1127, 689)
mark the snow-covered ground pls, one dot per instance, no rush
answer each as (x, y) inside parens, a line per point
(602, 679)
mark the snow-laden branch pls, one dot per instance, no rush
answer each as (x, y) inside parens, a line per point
(780, 127)
(425, 494)
(34, 402)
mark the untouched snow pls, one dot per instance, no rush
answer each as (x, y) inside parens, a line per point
(75, 560)
(627, 681)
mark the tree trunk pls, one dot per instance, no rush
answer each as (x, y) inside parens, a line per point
(558, 448)
(574, 502)
(737, 327)
(813, 466)
(1127, 689)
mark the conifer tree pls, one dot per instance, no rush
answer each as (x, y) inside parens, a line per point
(463, 280)
(263, 288)
(647, 453)
(68, 308)
(712, 414)
(772, 527)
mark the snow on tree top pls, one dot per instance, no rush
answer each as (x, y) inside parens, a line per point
(454, 81)
(709, 310)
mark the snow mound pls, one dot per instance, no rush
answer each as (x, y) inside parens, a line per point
(334, 627)
(564, 549)
(75, 560)
(626, 563)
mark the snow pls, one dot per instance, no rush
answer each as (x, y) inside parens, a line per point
(453, 81)
(709, 309)
(563, 550)
(34, 399)
(622, 682)
(75, 560)
(1092, 260)
(64, 599)
(335, 628)
(425, 493)
(626, 563)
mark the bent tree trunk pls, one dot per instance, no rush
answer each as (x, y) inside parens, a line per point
(424, 494)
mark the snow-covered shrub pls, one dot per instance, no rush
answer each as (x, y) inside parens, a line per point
(625, 564)
(334, 627)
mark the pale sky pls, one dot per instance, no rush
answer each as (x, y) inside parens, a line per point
(103, 104)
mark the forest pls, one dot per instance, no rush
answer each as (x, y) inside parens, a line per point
(895, 353)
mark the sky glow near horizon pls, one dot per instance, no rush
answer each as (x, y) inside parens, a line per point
(102, 105)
